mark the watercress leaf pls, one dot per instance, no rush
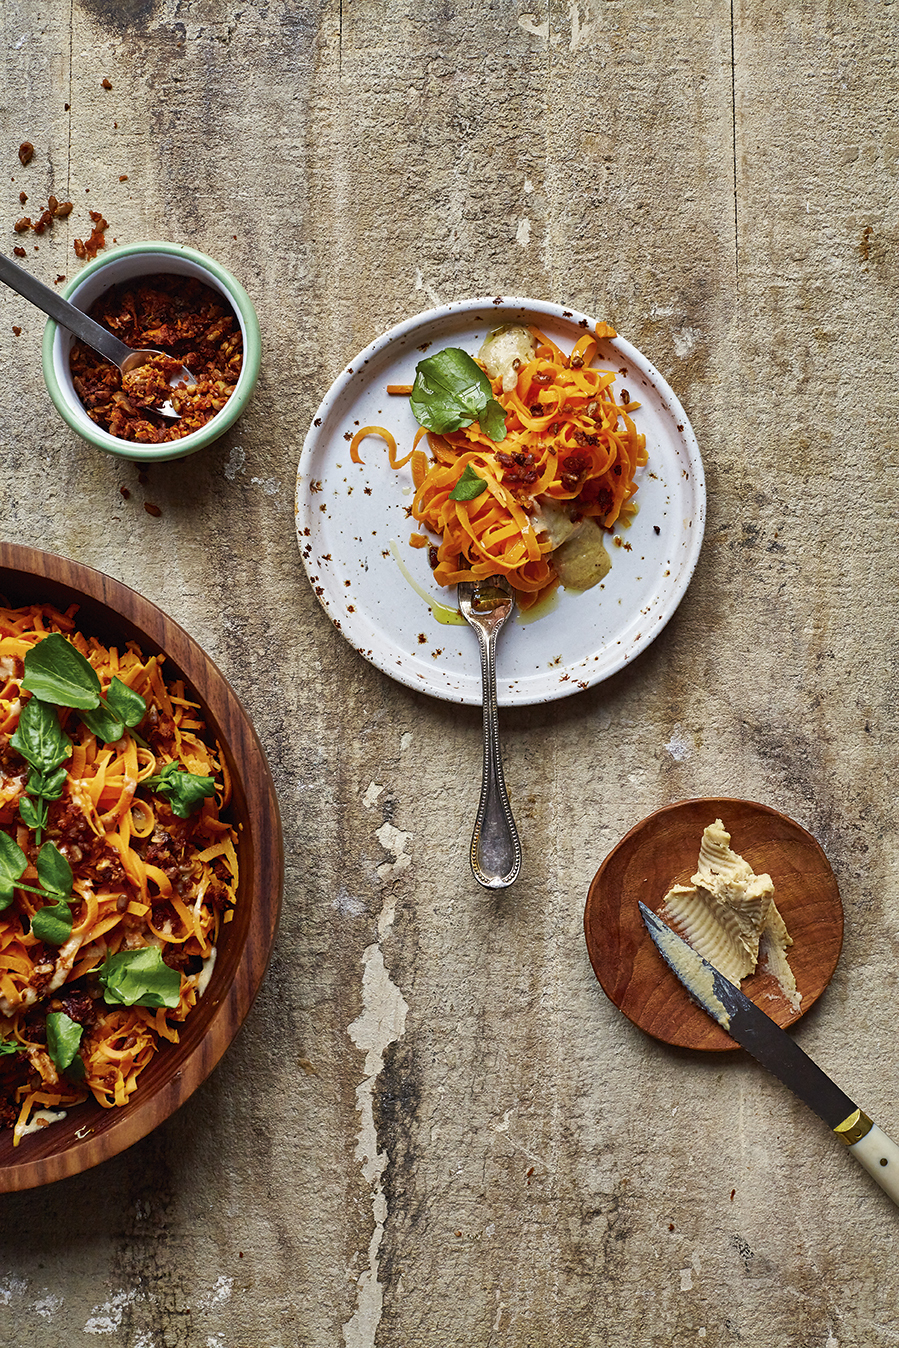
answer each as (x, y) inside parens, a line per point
(185, 791)
(47, 785)
(56, 672)
(63, 1039)
(128, 705)
(53, 923)
(449, 391)
(492, 420)
(54, 871)
(39, 737)
(104, 723)
(33, 812)
(469, 486)
(164, 776)
(8, 1046)
(76, 1070)
(12, 861)
(139, 978)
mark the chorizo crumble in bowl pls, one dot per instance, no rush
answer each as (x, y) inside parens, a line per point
(161, 296)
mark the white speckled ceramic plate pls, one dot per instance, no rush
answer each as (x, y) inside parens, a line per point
(353, 527)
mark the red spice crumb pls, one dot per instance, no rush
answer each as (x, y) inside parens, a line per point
(21, 225)
(67, 106)
(23, 197)
(123, 177)
(152, 509)
(61, 209)
(80, 250)
(26, 152)
(126, 493)
(60, 279)
(97, 238)
(20, 252)
(105, 83)
(17, 331)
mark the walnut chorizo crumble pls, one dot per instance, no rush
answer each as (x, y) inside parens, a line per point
(175, 314)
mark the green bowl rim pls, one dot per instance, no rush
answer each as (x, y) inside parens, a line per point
(252, 357)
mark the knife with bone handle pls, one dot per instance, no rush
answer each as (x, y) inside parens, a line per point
(775, 1050)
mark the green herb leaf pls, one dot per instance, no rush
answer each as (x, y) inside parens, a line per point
(104, 723)
(56, 672)
(54, 872)
(53, 923)
(47, 785)
(34, 813)
(469, 486)
(63, 1039)
(76, 1070)
(122, 709)
(492, 420)
(451, 391)
(139, 978)
(185, 791)
(12, 864)
(39, 737)
(9, 1046)
(128, 705)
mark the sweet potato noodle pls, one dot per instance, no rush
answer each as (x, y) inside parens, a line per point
(143, 878)
(568, 442)
(188, 321)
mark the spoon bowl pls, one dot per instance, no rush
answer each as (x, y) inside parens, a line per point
(97, 337)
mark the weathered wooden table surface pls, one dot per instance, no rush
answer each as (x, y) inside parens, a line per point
(434, 1129)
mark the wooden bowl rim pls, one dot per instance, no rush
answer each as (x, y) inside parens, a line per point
(177, 1070)
(632, 973)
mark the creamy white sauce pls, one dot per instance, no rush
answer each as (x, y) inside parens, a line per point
(504, 351)
(40, 1119)
(205, 973)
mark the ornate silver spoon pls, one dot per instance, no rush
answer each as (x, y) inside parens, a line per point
(495, 846)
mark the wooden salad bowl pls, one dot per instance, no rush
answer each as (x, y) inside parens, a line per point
(114, 613)
(663, 850)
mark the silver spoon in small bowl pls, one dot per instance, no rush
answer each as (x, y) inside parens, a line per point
(96, 336)
(495, 852)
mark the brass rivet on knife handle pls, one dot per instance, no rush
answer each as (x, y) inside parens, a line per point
(853, 1129)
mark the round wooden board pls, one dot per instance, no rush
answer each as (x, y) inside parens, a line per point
(113, 613)
(662, 850)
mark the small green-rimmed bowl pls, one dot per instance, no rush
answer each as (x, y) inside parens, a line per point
(124, 264)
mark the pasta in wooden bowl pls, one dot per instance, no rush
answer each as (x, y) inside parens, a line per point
(140, 867)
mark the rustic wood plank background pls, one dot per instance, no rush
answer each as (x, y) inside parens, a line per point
(434, 1130)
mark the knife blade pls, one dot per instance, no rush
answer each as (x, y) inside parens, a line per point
(774, 1049)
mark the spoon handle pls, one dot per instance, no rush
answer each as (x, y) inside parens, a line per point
(495, 846)
(63, 312)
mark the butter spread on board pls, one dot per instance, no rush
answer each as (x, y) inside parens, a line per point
(728, 915)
